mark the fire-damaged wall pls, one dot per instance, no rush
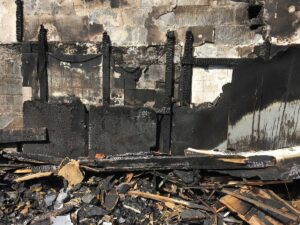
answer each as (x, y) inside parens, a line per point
(201, 104)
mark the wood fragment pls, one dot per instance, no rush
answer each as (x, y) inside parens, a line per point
(166, 199)
(257, 182)
(23, 171)
(71, 172)
(263, 206)
(233, 160)
(248, 212)
(33, 176)
(144, 163)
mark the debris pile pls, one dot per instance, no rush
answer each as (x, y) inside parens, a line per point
(72, 193)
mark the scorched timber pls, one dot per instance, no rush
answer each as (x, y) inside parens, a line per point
(144, 163)
(23, 135)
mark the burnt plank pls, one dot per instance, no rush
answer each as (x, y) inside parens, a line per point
(23, 135)
(149, 162)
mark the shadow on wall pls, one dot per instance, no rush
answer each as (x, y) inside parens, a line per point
(258, 110)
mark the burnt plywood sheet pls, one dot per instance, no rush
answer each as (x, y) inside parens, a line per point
(66, 125)
(265, 103)
(117, 130)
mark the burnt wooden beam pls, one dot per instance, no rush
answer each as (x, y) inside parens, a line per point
(146, 163)
(127, 163)
(185, 86)
(205, 62)
(106, 51)
(169, 76)
(42, 64)
(23, 135)
(19, 20)
(166, 121)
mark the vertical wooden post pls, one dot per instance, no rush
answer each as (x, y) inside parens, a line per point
(42, 64)
(166, 121)
(185, 88)
(106, 51)
(19, 20)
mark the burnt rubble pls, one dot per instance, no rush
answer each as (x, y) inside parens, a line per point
(32, 193)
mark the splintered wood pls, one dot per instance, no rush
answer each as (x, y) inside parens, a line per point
(71, 172)
(260, 207)
(33, 176)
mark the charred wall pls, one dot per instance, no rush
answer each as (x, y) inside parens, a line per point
(138, 64)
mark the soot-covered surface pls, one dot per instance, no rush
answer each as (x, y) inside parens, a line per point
(262, 98)
(66, 125)
(203, 127)
(116, 130)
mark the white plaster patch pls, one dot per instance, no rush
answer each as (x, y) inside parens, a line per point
(215, 51)
(7, 21)
(207, 84)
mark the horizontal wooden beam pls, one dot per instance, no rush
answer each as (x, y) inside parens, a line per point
(144, 163)
(205, 62)
(23, 135)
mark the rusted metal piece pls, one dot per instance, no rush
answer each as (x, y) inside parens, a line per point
(23, 135)
(106, 50)
(20, 20)
(42, 65)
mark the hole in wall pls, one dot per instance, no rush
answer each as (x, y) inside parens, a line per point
(253, 11)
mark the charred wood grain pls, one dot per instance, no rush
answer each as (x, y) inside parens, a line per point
(166, 123)
(19, 20)
(106, 49)
(145, 163)
(185, 87)
(42, 65)
(205, 62)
